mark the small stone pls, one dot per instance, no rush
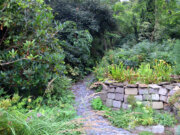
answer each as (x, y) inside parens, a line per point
(147, 97)
(125, 98)
(154, 86)
(163, 98)
(112, 86)
(119, 97)
(116, 104)
(143, 128)
(131, 91)
(153, 91)
(125, 83)
(147, 103)
(109, 102)
(139, 97)
(143, 91)
(108, 81)
(155, 97)
(172, 92)
(167, 107)
(168, 98)
(111, 95)
(143, 86)
(164, 83)
(157, 105)
(111, 90)
(125, 106)
(176, 88)
(163, 91)
(176, 84)
(103, 95)
(169, 87)
(177, 105)
(120, 90)
(159, 129)
(105, 87)
(118, 84)
(132, 85)
(176, 129)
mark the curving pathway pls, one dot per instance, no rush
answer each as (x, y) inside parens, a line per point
(94, 123)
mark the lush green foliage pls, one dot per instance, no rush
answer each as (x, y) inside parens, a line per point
(76, 44)
(139, 62)
(37, 116)
(140, 115)
(34, 95)
(37, 53)
(30, 54)
(46, 122)
(97, 104)
(88, 15)
(82, 48)
(177, 56)
(147, 19)
(159, 72)
(164, 119)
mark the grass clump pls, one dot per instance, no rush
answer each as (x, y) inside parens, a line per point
(45, 122)
(97, 104)
(160, 71)
(146, 133)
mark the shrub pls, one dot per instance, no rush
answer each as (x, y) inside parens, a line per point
(76, 44)
(21, 104)
(177, 56)
(97, 104)
(30, 54)
(84, 21)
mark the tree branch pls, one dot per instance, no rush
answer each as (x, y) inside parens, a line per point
(3, 64)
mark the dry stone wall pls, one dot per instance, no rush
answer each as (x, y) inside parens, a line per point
(156, 95)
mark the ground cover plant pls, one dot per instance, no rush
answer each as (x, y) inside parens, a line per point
(137, 114)
(160, 71)
(38, 116)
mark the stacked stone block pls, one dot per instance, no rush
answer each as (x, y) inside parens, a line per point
(156, 95)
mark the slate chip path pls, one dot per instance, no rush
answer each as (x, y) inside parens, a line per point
(95, 123)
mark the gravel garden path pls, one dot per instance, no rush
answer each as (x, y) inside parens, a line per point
(94, 123)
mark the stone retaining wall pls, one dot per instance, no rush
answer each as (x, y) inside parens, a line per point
(157, 95)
